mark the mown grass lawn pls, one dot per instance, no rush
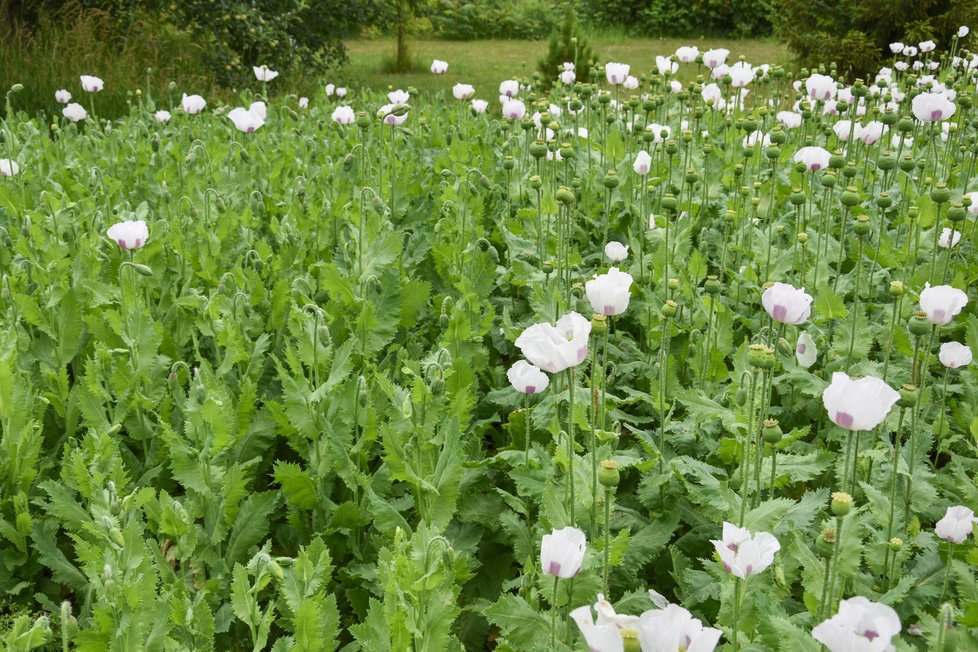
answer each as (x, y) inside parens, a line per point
(486, 63)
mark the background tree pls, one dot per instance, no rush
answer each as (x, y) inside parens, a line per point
(856, 33)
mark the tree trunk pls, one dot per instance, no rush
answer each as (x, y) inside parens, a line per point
(402, 63)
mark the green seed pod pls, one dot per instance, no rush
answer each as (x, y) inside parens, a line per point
(895, 544)
(547, 267)
(538, 148)
(509, 163)
(565, 196)
(536, 182)
(671, 146)
(772, 431)
(883, 200)
(363, 120)
(850, 197)
(887, 162)
(905, 125)
(712, 285)
(608, 474)
(797, 197)
(862, 227)
(673, 283)
(629, 638)
(940, 193)
(802, 237)
(692, 176)
(841, 503)
(908, 396)
(825, 543)
(849, 171)
(599, 323)
(956, 213)
(800, 167)
(919, 324)
(611, 179)
(837, 161)
(896, 288)
(907, 163)
(760, 356)
(669, 309)
(669, 202)
(828, 180)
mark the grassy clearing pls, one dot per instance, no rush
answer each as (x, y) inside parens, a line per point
(486, 63)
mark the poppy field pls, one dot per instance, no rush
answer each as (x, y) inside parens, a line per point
(661, 357)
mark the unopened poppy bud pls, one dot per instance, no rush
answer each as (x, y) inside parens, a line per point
(919, 324)
(275, 569)
(740, 396)
(772, 431)
(908, 396)
(16, 88)
(143, 270)
(841, 503)
(669, 309)
(785, 348)
(116, 535)
(608, 474)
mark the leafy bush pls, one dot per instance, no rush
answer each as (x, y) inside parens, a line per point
(856, 33)
(694, 18)
(486, 19)
(567, 44)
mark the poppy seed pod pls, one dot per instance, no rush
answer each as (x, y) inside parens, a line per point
(536, 182)
(850, 197)
(538, 148)
(802, 237)
(565, 195)
(611, 179)
(609, 475)
(837, 161)
(712, 285)
(887, 162)
(919, 325)
(940, 193)
(509, 163)
(760, 356)
(883, 200)
(862, 227)
(668, 309)
(956, 212)
(772, 431)
(841, 503)
(825, 544)
(669, 202)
